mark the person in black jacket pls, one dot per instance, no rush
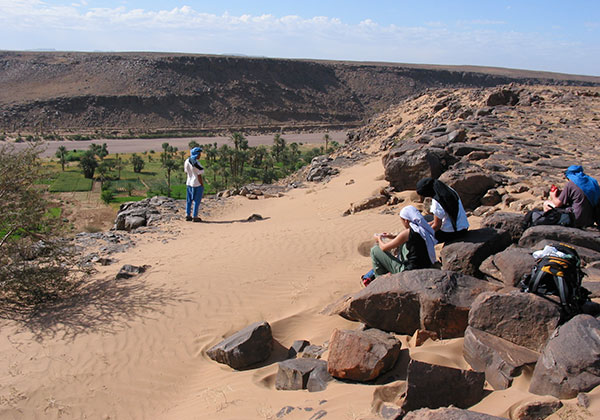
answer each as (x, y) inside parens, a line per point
(416, 246)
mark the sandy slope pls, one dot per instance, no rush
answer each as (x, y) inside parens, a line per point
(135, 349)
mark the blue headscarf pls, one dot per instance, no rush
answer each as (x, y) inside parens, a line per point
(586, 183)
(194, 153)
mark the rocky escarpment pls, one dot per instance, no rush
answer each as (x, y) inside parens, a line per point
(47, 92)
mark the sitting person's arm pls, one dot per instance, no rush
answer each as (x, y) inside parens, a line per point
(436, 223)
(396, 241)
(554, 198)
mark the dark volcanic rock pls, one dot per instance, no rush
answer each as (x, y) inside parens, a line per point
(448, 413)
(471, 184)
(295, 374)
(503, 97)
(512, 264)
(248, 346)
(570, 362)
(361, 355)
(297, 347)
(505, 222)
(500, 359)
(521, 318)
(536, 410)
(129, 270)
(429, 299)
(466, 254)
(578, 237)
(433, 386)
(405, 171)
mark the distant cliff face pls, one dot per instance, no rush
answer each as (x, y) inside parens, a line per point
(148, 91)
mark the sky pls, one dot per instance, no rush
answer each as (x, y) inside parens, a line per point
(552, 35)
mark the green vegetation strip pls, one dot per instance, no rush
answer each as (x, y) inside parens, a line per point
(71, 181)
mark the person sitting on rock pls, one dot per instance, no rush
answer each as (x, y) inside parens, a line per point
(416, 247)
(580, 196)
(449, 217)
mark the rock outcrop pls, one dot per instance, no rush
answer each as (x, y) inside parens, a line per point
(248, 346)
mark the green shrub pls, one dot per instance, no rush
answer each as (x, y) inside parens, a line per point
(107, 196)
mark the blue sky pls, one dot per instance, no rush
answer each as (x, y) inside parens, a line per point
(560, 36)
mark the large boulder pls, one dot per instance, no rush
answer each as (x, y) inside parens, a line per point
(427, 299)
(524, 319)
(577, 237)
(471, 184)
(509, 266)
(248, 346)
(570, 362)
(448, 413)
(466, 254)
(503, 97)
(434, 386)
(296, 374)
(361, 355)
(505, 222)
(403, 172)
(500, 359)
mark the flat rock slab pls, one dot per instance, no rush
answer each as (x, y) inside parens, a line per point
(510, 265)
(524, 319)
(427, 299)
(246, 347)
(294, 374)
(433, 386)
(500, 359)
(505, 222)
(361, 355)
(448, 413)
(577, 237)
(467, 254)
(570, 362)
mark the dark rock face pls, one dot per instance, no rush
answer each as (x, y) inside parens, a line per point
(467, 254)
(570, 362)
(503, 97)
(505, 222)
(297, 347)
(361, 355)
(508, 314)
(403, 172)
(500, 359)
(248, 346)
(433, 386)
(428, 299)
(448, 413)
(295, 374)
(578, 237)
(510, 265)
(471, 185)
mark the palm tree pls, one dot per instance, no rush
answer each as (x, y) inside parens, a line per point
(61, 154)
(326, 138)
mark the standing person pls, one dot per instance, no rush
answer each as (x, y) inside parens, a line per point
(449, 216)
(416, 242)
(580, 196)
(194, 183)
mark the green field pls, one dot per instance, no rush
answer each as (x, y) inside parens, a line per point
(69, 181)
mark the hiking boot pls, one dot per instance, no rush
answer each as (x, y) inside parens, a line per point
(188, 218)
(197, 220)
(366, 279)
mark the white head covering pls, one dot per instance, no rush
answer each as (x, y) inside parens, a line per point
(418, 223)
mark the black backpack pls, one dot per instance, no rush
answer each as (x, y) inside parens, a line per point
(550, 217)
(560, 277)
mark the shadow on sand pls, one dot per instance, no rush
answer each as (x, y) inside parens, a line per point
(253, 218)
(103, 305)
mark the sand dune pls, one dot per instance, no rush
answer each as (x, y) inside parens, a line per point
(135, 349)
